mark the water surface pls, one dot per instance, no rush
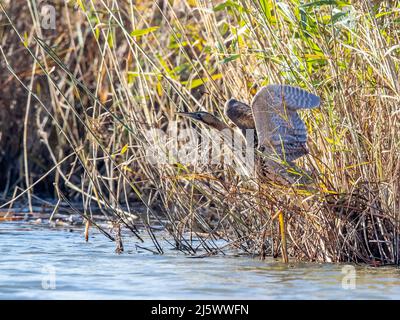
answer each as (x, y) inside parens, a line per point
(39, 262)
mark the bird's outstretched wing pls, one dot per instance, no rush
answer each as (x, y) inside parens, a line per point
(279, 127)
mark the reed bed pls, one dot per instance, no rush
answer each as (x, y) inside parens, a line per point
(84, 106)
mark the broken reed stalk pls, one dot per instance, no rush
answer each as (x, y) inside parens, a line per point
(282, 229)
(87, 226)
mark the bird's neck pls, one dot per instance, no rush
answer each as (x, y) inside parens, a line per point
(219, 125)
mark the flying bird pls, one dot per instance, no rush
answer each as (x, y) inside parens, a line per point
(278, 129)
(273, 114)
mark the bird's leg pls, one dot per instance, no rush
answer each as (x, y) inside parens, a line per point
(282, 229)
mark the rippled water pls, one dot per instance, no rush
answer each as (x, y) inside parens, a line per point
(43, 263)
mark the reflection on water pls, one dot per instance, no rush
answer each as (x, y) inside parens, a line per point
(43, 263)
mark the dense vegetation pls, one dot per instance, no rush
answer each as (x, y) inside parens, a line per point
(77, 103)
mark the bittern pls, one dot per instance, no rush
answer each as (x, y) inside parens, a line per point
(273, 114)
(279, 128)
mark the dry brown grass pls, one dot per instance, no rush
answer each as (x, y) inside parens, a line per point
(94, 87)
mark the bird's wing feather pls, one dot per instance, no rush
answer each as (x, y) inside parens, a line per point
(293, 98)
(278, 125)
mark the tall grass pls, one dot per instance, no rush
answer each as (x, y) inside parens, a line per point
(78, 102)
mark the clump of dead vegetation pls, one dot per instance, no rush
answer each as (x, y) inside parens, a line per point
(78, 101)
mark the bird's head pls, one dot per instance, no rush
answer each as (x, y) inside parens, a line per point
(202, 116)
(235, 108)
(234, 104)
